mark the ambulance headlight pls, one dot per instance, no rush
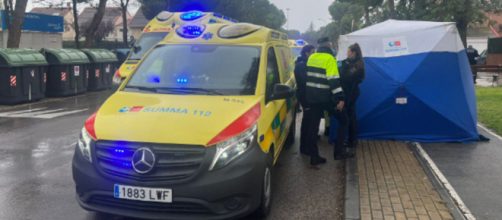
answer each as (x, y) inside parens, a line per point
(84, 144)
(231, 149)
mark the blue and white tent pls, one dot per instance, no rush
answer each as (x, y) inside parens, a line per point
(418, 84)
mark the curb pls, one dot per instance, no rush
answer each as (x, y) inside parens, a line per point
(351, 204)
(444, 192)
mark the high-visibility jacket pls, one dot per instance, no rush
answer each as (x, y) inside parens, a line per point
(323, 80)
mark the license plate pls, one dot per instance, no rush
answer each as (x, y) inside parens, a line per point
(143, 193)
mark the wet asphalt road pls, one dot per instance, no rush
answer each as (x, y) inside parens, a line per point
(35, 167)
(475, 171)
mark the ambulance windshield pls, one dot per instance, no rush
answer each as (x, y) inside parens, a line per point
(145, 43)
(200, 69)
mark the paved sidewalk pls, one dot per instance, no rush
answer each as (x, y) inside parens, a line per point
(393, 184)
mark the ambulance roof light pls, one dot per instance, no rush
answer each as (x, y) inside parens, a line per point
(191, 15)
(164, 16)
(300, 42)
(237, 30)
(190, 30)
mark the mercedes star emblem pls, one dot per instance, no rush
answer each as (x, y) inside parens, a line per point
(143, 160)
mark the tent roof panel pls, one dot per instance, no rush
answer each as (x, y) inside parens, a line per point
(397, 38)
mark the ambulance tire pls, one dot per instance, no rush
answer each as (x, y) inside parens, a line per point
(290, 140)
(266, 192)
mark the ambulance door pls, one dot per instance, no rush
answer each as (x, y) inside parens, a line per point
(273, 108)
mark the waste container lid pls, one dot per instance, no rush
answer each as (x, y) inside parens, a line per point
(66, 56)
(21, 57)
(100, 55)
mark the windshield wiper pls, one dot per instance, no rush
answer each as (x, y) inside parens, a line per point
(143, 88)
(197, 90)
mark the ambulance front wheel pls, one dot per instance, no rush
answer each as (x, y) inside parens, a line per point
(266, 192)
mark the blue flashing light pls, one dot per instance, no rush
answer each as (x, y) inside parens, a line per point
(182, 80)
(300, 42)
(190, 31)
(191, 15)
(153, 79)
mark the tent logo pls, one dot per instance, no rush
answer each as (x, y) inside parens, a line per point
(395, 43)
(396, 46)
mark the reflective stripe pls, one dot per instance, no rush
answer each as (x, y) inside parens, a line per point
(335, 91)
(318, 85)
(317, 75)
(333, 77)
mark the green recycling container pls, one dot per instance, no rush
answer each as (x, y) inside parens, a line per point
(103, 65)
(22, 76)
(67, 73)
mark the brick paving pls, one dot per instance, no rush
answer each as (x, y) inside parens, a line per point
(393, 184)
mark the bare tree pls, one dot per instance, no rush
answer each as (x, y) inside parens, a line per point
(90, 32)
(15, 26)
(123, 6)
(104, 29)
(76, 28)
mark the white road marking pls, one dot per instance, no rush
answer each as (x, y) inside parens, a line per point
(440, 176)
(489, 131)
(19, 112)
(34, 114)
(60, 114)
(41, 113)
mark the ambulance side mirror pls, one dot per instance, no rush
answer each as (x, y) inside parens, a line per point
(282, 91)
(136, 49)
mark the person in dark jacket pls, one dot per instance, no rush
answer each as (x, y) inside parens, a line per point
(301, 80)
(473, 55)
(324, 93)
(352, 74)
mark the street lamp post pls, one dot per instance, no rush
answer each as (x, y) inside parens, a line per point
(287, 18)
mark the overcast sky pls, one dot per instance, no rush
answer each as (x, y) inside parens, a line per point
(302, 12)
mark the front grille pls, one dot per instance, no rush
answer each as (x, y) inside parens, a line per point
(173, 162)
(175, 207)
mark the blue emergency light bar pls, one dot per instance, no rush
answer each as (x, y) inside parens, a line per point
(300, 42)
(190, 31)
(191, 15)
(182, 80)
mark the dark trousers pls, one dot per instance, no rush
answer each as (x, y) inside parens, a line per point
(304, 144)
(342, 118)
(352, 123)
(312, 119)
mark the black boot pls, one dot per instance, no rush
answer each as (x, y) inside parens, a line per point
(314, 161)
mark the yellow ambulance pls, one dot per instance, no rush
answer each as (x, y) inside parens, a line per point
(157, 29)
(196, 129)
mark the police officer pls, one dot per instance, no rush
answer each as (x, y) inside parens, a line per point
(472, 55)
(324, 92)
(301, 78)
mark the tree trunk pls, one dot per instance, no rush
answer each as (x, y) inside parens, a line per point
(462, 31)
(124, 4)
(392, 9)
(76, 27)
(367, 15)
(8, 10)
(90, 33)
(17, 24)
(462, 21)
